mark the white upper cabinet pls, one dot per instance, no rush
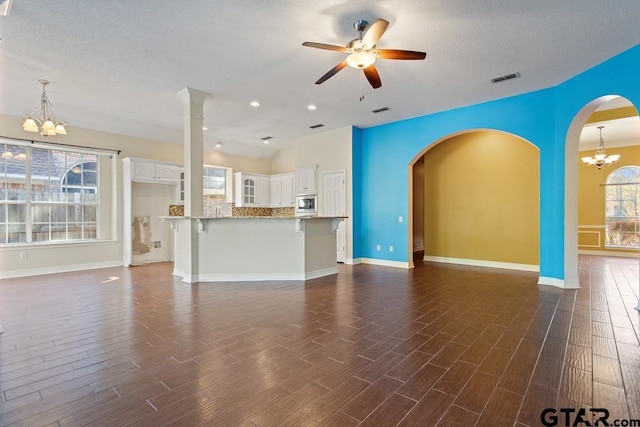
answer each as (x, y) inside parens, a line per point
(307, 179)
(282, 190)
(147, 171)
(251, 190)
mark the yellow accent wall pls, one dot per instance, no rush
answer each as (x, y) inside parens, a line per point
(482, 198)
(591, 223)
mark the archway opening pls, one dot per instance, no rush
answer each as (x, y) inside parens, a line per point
(475, 200)
(586, 225)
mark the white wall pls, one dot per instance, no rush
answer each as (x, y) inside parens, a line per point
(331, 151)
(284, 161)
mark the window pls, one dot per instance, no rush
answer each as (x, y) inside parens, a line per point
(47, 194)
(622, 198)
(214, 190)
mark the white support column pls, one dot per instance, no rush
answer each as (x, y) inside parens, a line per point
(193, 170)
(193, 149)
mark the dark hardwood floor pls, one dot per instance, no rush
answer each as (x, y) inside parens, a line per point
(371, 346)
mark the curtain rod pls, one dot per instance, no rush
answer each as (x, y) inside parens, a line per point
(62, 145)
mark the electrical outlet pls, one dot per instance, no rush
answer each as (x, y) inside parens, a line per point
(400, 219)
(390, 248)
(377, 247)
(23, 255)
(156, 244)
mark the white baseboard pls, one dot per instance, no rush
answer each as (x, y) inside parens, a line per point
(383, 262)
(609, 253)
(558, 283)
(59, 269)
(255, 277)
(321, 273)
(483, 263)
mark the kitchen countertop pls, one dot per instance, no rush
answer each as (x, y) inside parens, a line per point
(252, 217)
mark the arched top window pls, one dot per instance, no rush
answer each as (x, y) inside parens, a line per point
(622, 207)
(80, 178)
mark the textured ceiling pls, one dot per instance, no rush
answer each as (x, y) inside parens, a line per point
(117, 65)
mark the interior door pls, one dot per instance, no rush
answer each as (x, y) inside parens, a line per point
(334, 203)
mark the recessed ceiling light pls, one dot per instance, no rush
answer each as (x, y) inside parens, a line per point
(219, 144)
(311, 107)
(254, 103)
(205, 128)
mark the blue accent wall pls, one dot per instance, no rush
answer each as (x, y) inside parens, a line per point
(382, 155)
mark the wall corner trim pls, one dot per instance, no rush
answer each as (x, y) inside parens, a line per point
(558, 283)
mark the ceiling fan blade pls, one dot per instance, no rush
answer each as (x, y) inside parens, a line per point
(325, 46)
(375, 31)
(399, 54)
(332, 72)
(372, 75)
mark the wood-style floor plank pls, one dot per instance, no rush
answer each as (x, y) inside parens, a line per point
(436, 345)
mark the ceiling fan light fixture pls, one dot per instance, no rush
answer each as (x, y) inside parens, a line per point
(361, 60)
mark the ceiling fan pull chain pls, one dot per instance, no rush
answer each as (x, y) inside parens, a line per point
(360, 84)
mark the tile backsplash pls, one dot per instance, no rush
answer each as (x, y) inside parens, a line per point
(277, 212)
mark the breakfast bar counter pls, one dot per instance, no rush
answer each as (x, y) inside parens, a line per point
(208, 249)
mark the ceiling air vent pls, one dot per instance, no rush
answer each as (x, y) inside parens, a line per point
(266, 138)
(319, 125)
(380, 110)
(505, 77)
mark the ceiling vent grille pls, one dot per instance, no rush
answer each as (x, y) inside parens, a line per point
(380, 110)
(505, 77)
(319, 125)
(266, 138)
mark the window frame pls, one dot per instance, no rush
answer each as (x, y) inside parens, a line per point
(619, 201)
(92, 206)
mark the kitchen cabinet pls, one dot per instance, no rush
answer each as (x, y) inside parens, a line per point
(251, 190)
(281, 190)
(149, 171)
(307, 179)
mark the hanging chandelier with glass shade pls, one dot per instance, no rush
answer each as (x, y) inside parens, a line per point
(600, 158)
(42, 119)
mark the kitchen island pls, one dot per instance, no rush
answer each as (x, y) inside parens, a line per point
(208, 249)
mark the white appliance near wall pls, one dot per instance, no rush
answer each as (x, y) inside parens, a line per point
(307, 191)
(334, 203)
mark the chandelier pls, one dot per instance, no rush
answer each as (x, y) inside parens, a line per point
(45, 122)
(600, 158)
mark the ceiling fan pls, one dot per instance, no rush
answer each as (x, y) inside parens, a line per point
(363, 53)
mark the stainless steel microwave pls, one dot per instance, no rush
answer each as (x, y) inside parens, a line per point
(306, 204)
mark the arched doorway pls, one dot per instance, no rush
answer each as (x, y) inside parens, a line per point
(615, 113)
(481, 200)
